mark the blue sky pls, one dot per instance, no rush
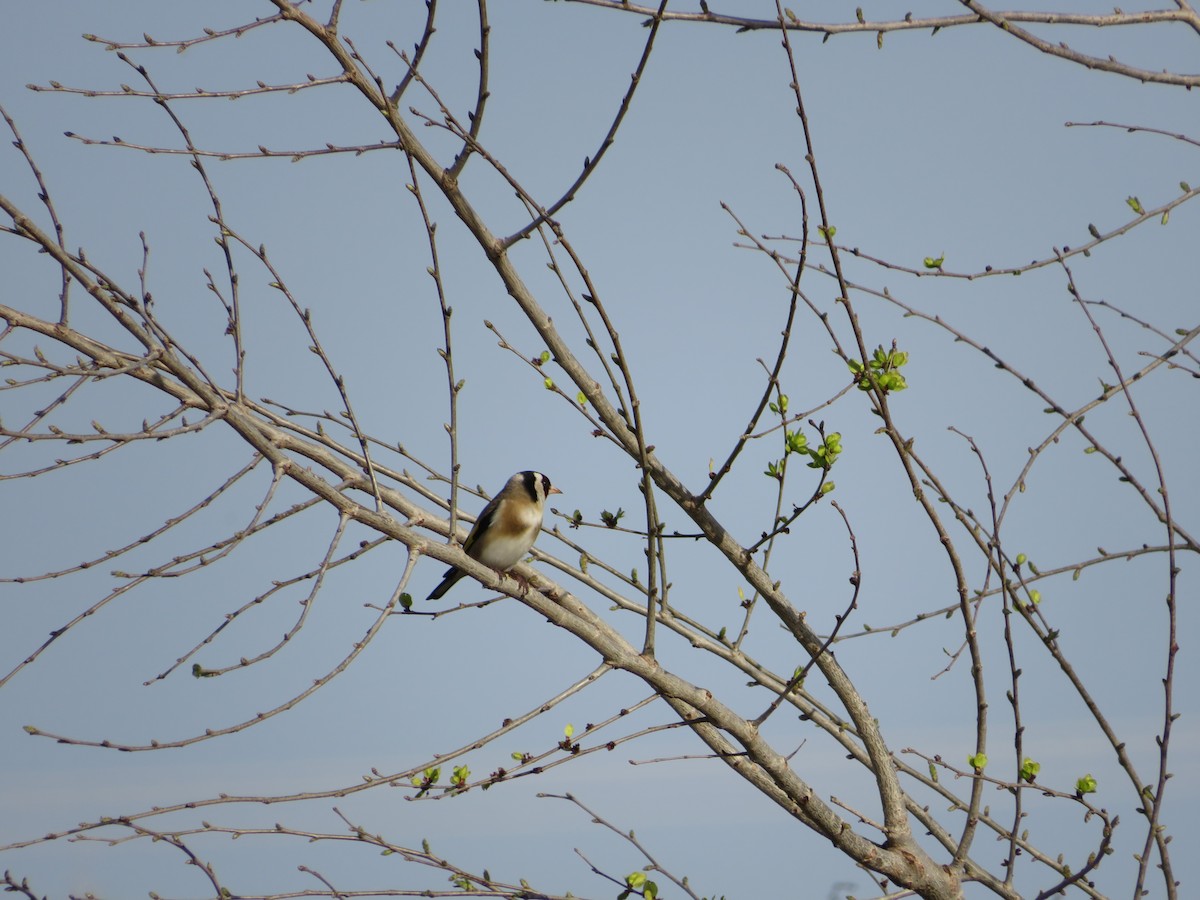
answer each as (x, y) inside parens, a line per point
(953, 144)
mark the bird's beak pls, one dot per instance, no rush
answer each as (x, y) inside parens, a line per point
(554, 490)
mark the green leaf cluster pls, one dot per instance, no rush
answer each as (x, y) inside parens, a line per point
(881, 371)
(428, 778)
(826, 453)
(638, 884)
(795, 441)
(820, 456)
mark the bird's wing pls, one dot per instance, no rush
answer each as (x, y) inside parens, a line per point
(485, 520)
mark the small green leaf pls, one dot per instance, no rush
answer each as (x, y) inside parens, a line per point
(545, 357)
(1029, 770)
(569, 730)
(977, 761)
(581, 399)
(549, 383)
(609, 519)
(934, 263)
(1135, 204)
(427, 778)
(1086, 785)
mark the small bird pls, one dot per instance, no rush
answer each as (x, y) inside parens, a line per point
(507, 527)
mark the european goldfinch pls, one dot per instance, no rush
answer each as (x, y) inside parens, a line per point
(507, 527)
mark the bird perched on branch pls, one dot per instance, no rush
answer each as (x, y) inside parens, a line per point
(507, 527)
